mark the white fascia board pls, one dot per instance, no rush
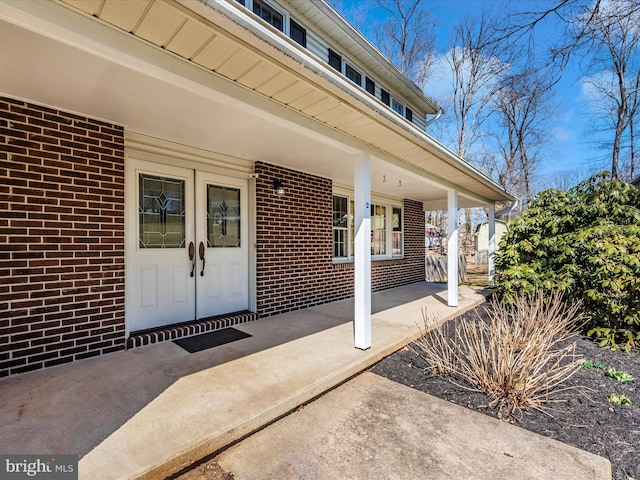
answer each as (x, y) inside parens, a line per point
(320, 68)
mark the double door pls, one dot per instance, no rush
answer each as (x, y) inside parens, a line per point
(187, 256)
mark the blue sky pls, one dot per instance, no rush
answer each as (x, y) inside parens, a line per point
(569, 151)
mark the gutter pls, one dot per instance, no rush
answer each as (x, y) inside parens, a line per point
(434, 119)
(303, 57)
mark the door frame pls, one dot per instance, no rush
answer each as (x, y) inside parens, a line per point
(164, 152)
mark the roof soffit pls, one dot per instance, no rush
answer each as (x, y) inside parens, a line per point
(228, 49)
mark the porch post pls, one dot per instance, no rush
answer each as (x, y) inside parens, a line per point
(492, 241)
(362, 254)
(452, 248)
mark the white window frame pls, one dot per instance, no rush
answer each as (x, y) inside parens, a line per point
(389, 205)
(285, 15)
(346, 229)
(357, 70)
(391, 232)
(398, 103)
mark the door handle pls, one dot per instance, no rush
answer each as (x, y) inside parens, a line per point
(201, 252)
(192, 257)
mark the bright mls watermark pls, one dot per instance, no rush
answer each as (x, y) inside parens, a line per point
(49, 467)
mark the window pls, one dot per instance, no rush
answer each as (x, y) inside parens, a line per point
(370, 86)
(297, 33)
(268, 14)
(384, 96)
(408, 113)
(353, 75)
(396, 225)
(397, 106)
(386, 229)
(335, 60)
(340, 225)
(378, 230)
(241, 2)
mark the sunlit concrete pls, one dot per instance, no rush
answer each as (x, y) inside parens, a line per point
(150, 412)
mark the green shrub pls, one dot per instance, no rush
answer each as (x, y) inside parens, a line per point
(585, 243)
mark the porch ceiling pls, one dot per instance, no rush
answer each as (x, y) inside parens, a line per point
(181, 77)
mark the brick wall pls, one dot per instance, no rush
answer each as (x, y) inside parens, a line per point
(293, 234)
(294, 257)
(61, 237)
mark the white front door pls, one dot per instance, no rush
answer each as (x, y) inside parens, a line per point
(187, 254)
(221, 229)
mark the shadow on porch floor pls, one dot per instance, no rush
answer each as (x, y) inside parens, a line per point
(153, 410)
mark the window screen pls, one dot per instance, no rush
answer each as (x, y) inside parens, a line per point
(268, 14)
(353, 75)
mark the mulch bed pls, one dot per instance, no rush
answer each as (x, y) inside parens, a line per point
(588, 422)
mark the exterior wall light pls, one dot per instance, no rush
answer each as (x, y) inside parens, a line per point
(278, 187)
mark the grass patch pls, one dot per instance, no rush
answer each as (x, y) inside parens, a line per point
(619, 399)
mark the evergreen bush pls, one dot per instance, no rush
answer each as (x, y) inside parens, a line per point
(585, 243)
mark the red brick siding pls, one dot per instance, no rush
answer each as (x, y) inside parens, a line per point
(294, 245)
(61, 237)
(293, 234)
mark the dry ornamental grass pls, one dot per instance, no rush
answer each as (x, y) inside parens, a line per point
(520, 357)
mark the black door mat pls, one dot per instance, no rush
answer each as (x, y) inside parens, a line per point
(210, 340)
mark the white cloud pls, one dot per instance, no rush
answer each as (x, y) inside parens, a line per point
(561, 134)
(438, 85)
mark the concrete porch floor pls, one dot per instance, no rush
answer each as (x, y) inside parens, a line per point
(152, 411)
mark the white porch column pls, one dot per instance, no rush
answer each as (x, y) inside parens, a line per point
(492, 241)
(452, 248)
(362, 254)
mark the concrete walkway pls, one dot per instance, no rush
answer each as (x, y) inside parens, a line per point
(150, 412)
(374, 428)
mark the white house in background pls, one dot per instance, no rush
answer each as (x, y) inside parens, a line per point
(481, 240)
(170, 167)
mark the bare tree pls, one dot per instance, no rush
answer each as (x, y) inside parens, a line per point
(612, 64)
(604, 34)
(523, 105)
(565, 179)
(407, 36)
(356, 14)
(476, 65)
(632, 144)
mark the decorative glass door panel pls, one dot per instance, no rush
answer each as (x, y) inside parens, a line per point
(162, 212)
(160, 227)
(223, 217)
